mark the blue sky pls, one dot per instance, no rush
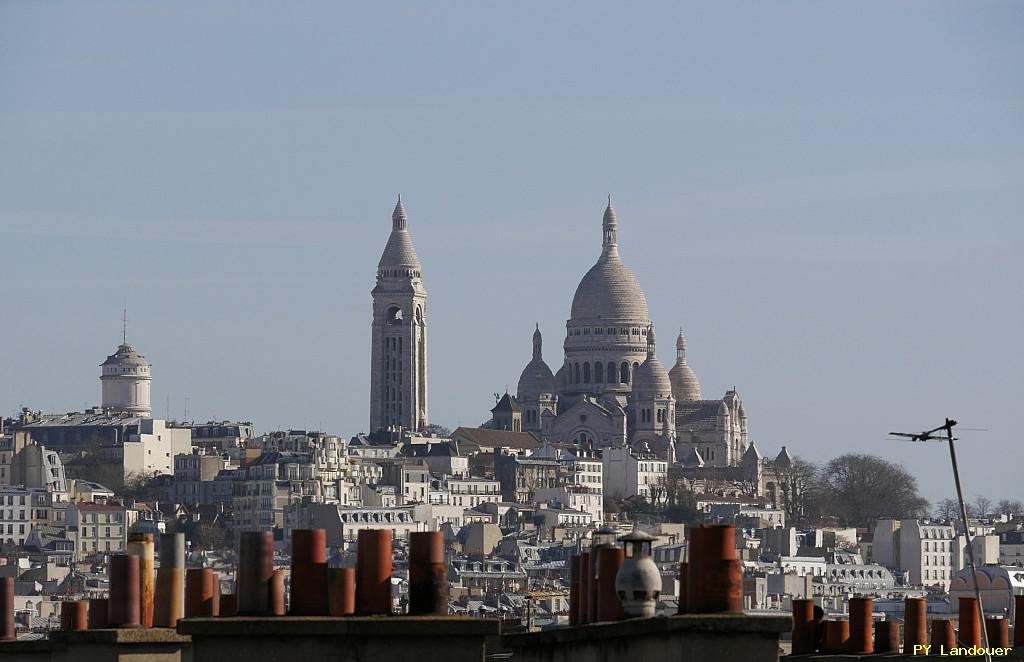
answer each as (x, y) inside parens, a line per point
(827, 197)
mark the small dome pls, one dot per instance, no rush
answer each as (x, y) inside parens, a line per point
(536, 377)
(399, 252)
(685, 385)
(126, 356)
(652, 379)
(609, 290)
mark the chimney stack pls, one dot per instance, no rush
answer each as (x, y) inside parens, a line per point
(837, 636)
(124, 607)
(861, 609)
(255, 570)
(201, 598)
(715, 582)
(574, 590)
(373, 572)
(969, 633)
(942, 634)
(609, 560)
(998, 630)
(169, 599)
(915, 623)
(341, 591)
(887, 637)
(7, 632)
(309, 572)
(277, 607)
(428, 577)
(74, 615)
(805, 638)
(141, 545)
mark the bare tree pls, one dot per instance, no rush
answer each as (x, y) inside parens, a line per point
(795, 488)
(858, 489)
(982, 505)
(947, 509)
(1009, 507)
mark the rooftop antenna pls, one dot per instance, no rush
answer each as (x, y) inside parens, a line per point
(930, 435)
(185, 415)
(124, 325)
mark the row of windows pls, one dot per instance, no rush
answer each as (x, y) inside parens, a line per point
(601, 375)
(938, 559)
(609, 331)
(122, 371)
(102, 517)
(96, 532)
(398, 273)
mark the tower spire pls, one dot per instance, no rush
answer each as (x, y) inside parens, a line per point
(399, 219)
(609, 226)
(124, 325)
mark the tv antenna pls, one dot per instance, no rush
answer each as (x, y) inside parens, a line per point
(934, 435)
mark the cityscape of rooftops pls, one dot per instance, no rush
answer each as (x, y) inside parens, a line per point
(551, 332)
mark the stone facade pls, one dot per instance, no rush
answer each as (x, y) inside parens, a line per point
(398, 372)
(611, 390)
(125, 381)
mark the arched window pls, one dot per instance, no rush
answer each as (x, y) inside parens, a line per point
(576, 373)
(659, 415)
(624, 373)
(636, 366)
(598, 373)
(586, 373)
(611, 373)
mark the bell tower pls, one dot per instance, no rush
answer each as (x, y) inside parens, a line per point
(398, 370)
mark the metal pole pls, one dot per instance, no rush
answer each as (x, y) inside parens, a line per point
(967, 534)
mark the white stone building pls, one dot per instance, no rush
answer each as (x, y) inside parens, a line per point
(631, 471)
(125, 379)
(151, 450)
(26, 463)
(398, 372)
(100, 528)
(611, 389)
(931, 553)
(344, 524)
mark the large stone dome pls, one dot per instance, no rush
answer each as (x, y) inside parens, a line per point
(610, 291)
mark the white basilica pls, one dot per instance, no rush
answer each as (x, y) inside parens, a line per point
(611, 389)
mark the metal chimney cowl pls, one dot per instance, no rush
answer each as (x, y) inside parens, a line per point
(638, 582)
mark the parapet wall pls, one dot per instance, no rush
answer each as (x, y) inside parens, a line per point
(124, 645)
(345, 639)
(685, 638)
